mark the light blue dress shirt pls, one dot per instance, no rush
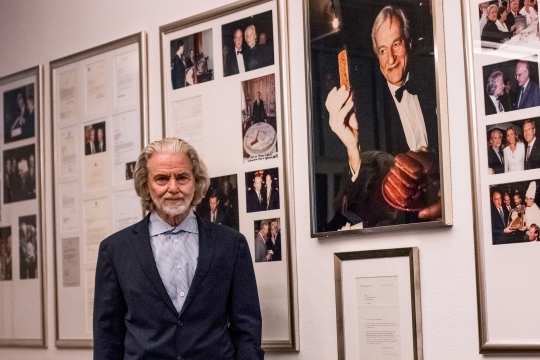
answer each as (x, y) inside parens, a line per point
(175, 250)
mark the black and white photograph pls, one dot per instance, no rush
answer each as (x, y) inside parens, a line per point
(262, 190)
(28, 251)
(374, 99)
(508, 24)
(515, 215)
(259, 131)
(95, 138)
(6, 259)
(20, 174)
(267, 240)
(130, 169)
(192, 60)
(220, 205)
(512, 146)
(510, 85)
(248, 44)
(19, 114)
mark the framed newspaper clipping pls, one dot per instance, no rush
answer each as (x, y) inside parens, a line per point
(502, 47)
(224, 84)
(99, 123)
(22, 270)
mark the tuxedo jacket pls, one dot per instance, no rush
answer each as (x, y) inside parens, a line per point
(534, 158)
(498, 225)
(230, 63)
(529, 98)
(253, 203)
(258, 113)
(134, 317)
(490, 107)
(178, 73)
(493, 161)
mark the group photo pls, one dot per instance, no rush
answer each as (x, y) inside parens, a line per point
(248, 44)
(28, 250)
(510, 85)
(220, 205)
(6, 260)
(267, 240)
(192, 60)
(19, 174)
(512, 146)
(262, 190)
(95, 138)
(19, 114)
(515, 215)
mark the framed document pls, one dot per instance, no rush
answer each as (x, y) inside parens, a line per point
(223, 91)
(22, 276)
(378, 126)
(378, 304)
(504, 111)
(99, 123)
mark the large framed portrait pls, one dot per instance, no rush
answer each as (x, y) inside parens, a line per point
(502, 48)
(378, 127)
(22, 274)
(378, 304)
(99, 124)
(223, 91)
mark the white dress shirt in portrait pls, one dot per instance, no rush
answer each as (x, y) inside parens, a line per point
(240, 60)
(498, 106)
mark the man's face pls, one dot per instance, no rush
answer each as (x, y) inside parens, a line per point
(268, 180)
(264, 229)
(392, 51)
(262, 39)
(100, 134)
(529, 132)
(257, 183)
(275, 227)
(514, 5)
(171, 184)
(238, 39)
(506, 200)
(531, 233)
(213, 201)
(251, 37)
(529, 201)
(517, 200)
(492, 13)
(180, 50)
(522, 74)
(92, 135)
(496, 198)
(499, 86)
(495, 138)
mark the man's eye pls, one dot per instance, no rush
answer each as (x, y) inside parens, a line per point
(382, 51)
(162, 180)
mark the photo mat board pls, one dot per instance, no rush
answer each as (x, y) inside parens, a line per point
(502, 56)
(237, 123)
(99, 122)
(378, 131)
(22, 273)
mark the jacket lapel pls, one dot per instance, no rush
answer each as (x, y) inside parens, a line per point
(206, 254)
(143, 249)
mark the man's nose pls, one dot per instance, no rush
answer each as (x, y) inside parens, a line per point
(173, 185)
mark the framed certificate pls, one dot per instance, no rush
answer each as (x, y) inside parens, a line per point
(223, 85)
(99, 124)
(22, 274)
(501, 44)
(378, 304)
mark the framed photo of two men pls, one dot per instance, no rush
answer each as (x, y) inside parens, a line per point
(21, 246)
(502, 48)
(223, 92)
(378, 129)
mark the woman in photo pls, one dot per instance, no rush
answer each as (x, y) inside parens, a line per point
(514, 152)
(491, 32)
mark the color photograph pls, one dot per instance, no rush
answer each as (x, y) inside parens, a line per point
(19, 114)
(267, 240)
(19, 174)
(6, 259)
(262, 190)
(95, 138)
(220, 205)
(28, 251)
(192, 61)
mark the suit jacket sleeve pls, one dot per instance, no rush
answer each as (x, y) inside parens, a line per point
(244, 309)
(109, 310)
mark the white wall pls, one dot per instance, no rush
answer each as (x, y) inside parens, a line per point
(35, 32)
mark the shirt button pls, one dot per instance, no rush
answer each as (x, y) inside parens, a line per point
(182, 293)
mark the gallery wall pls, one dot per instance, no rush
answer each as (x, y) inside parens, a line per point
(36, 32)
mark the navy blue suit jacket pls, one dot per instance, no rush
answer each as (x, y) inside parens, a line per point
(134, 317)
(530, 97)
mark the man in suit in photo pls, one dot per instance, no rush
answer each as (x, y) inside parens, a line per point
(274, 240)
(254, 198)
(258, 113)
(261, 240)
(271, 198)
(90, 143)
(255, 55)
(496, 100)
(532, 151)
(499, 219)
(512, 14)
(178, 67)
(233, 62)
(528, 94)
(175, 286)
(100, 140)
(495, 153)
(216, 213)
(403, 120)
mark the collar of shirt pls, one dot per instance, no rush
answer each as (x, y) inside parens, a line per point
(531, 144)
(158, 226)
(393, 87)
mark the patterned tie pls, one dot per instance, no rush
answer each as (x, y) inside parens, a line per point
(501, 214)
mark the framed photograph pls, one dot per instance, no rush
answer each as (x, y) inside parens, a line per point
(378, 129)
(99, 125)
(378, 306)
(241, 108)
(22, 271)
(501, 45)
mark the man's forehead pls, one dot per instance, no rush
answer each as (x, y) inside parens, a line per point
(389, 24)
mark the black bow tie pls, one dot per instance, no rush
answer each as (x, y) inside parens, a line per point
(407, 86)
(238, 52)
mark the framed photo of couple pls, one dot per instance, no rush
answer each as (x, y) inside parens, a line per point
(224, 92)
(378, 130)
(502, 54)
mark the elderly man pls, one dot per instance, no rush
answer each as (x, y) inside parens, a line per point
(499, 219)
(233, 58)
(532, 152)
(404, 121)
(495, 153)
(528, 94)
(175, 286)
(496, 100)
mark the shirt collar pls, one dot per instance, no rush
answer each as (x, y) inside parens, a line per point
(532, 142)
(393, 87)
(158, 226)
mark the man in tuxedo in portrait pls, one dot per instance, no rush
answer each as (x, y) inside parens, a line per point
(499, 219)
(495, 153)
(233, 62)
(532, 151)
(271, 195)
(404, 119)
(512, 14)
(173, 285)
(496, 100)
(255, 197)
(261, 241)
(90, 143)
(216, 213)
(274, 240)
(100, 140)
(528, 94)
(258, 113)
(178, 66)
